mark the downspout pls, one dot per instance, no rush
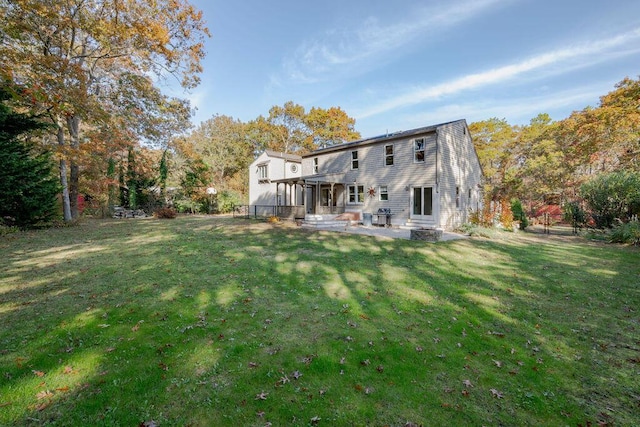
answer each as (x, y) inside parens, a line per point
(437, 138)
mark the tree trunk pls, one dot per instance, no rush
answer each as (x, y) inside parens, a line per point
(66, 207)
(73, 124)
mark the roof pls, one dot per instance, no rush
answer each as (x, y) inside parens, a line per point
(285, 156)
(380, 138)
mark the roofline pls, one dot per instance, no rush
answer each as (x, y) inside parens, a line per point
(285, 156)
(380, 138)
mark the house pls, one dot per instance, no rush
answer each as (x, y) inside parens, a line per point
(266, 174)
(427, 177)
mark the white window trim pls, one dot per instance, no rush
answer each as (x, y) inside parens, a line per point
(263, 177)
(385, 155)
(380, 193)
(354, 160)
(424, 151)
(356, 187)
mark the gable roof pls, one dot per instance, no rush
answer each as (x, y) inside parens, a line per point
(380, 138)
(285, 156)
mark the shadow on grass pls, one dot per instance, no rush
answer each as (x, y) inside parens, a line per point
(204, 321)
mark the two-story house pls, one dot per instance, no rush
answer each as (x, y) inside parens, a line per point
(425, 177)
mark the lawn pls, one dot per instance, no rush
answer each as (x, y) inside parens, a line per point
(205, 321)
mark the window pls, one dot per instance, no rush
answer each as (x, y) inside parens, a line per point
(383, 192)
(388, 155)
(418, 150)
(354, 160)
(469, 194)
(315, 165)
(356, 194)
(457, 197)
(263, 172)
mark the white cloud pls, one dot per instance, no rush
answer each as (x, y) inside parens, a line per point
(345, 49)
(583, 52)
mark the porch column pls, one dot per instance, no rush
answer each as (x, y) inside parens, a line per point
(277, 189)
(331, 201)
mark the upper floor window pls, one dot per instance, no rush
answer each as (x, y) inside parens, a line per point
(457, 197)
(418, 150)
(315, 165)
(263, 172)
(356, 194)
(354, 160)
(388, 155)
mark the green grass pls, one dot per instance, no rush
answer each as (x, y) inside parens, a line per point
(217, 321)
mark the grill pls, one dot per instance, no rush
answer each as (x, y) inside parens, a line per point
(384, 216)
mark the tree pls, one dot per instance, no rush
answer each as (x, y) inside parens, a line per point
(76, 57)
(612, 196)
(495, 142)
(290, 129)
(29, 187)
(330, 127)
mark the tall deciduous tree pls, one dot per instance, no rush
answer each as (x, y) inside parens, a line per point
(290, 129)
(78, 56)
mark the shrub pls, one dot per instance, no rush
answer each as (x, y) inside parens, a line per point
(506, 216)
(575, 215)
(518, 213)
(611, 196)
(227, 200)
(166, 213)
(626, 233)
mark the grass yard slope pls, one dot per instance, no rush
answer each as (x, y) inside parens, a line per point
(205, 321)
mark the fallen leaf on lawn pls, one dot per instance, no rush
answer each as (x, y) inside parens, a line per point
(65, 388)
(262, 396)
(3, 404)
(163, 366)
(380, 368)
(136, 326)
(467, 383)
(296, 375)
(253, 365)
(498, 363)
(465, 393)
(496, 393)
(315, 420)
(284, 380)
(110, 349)
(436, 340)
(260, 414)
(418, 349)
(365, 362)
(43, 406)
(67, 370)
(150, 423)
(342, 360)
(45, 394)
(38, 373)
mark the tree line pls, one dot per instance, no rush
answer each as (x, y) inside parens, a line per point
(586, 159)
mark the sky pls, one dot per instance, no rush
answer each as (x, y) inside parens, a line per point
(396, 65)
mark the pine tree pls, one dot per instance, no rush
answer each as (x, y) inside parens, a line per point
(28, 194)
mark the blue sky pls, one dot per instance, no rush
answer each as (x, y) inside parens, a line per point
(402, 64)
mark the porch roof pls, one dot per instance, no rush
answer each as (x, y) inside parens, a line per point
(325, 178)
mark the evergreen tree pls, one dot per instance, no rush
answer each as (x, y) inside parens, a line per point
(28, 194)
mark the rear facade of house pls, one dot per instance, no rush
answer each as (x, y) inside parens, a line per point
(427, 177)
